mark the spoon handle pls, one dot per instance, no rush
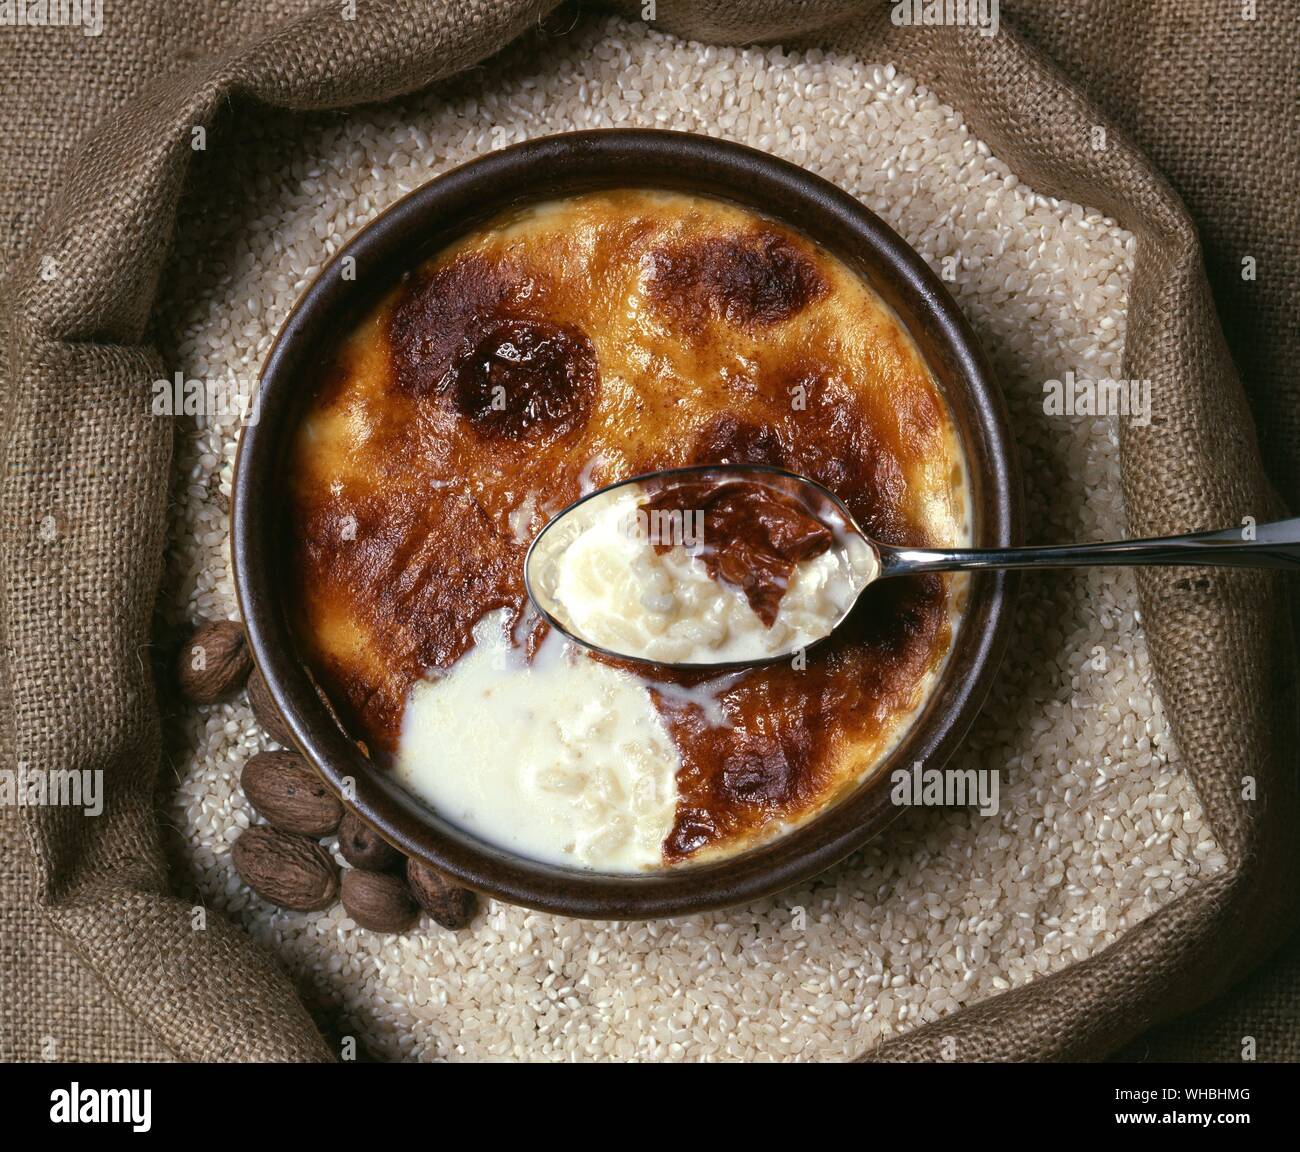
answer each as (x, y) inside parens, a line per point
(1275, 545)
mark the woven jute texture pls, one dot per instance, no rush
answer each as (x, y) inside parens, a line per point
(98, 960)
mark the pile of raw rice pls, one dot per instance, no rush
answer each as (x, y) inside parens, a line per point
(1098, 826)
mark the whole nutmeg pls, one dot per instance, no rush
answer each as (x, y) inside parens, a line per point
(214, 662)
(266, 711)
(285, 789)
(379, 901)
(449, 904)
(363, 847)
(291, 871)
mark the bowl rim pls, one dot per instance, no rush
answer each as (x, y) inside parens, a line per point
(425, 220)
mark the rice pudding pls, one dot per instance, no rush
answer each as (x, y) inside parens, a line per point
(557, 349)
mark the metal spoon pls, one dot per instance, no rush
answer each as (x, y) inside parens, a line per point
(1274, 545)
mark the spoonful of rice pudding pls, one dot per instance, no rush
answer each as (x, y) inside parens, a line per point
(732, 565)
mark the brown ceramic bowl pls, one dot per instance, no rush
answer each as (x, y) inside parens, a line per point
(419, 226)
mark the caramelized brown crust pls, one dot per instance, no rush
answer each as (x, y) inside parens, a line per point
(581, 343)
(750, 279)
(754, 535)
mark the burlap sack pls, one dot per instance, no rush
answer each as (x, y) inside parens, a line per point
(98, 960)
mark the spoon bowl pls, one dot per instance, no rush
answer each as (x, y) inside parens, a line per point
(670, 513)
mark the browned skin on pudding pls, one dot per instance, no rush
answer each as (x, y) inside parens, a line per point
(617, 334)
(754, 536)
